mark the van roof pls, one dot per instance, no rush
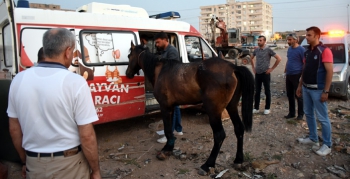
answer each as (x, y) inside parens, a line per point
(54, 18)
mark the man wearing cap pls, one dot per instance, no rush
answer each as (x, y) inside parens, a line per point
(262, 70)
(294, 67)
(51, 113)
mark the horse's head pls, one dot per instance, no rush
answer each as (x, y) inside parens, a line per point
(134, 60)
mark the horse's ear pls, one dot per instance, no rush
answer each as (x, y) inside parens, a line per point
(220, 55)
(132, 45)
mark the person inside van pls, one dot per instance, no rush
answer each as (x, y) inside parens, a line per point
(41, 56)
(167, 51)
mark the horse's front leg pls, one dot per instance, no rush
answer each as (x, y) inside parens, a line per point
(167, 114)
(219, 136)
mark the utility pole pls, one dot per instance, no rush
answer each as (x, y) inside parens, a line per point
(272, 24)
(347, 10)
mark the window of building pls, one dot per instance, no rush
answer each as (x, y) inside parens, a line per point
(239, 6)
(244, 6)
(239, 12)
(244, 23)
(251, 11)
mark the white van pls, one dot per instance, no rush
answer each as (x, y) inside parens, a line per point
(339, 43)
(103, 36)
(103, 33)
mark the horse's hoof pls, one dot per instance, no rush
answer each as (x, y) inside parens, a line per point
(202, 172)
(162, 155)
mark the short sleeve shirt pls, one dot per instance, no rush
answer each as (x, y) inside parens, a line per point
(263, 58)
(50, 103)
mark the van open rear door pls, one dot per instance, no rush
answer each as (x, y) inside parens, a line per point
(7, 67)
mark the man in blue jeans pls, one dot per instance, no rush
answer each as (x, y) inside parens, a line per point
(261, 69)
(168, 51)
(314, 86)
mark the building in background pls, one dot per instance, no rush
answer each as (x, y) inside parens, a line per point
(251, 17)
(47, 6)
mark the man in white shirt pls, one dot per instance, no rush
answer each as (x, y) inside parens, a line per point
(51, 113)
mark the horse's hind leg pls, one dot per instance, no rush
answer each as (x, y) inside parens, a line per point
(219, 136)
(238, 127)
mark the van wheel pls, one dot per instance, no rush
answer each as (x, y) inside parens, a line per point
(347, 95)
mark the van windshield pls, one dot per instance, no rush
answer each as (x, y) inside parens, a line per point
(338, 51)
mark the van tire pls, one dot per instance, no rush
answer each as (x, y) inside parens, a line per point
(347, 92)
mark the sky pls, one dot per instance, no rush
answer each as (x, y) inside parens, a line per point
(288, 15)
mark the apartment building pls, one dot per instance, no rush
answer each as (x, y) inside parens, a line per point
(249, 16)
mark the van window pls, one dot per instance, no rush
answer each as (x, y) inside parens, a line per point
(195, 46)
(106, 47)
(31, 42)
(8, 46)
(338, 51)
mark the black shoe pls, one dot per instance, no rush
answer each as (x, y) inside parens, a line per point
(289, 116)
(300, 117)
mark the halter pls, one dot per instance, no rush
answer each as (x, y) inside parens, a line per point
(138, 58)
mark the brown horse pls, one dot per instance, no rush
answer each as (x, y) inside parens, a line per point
(216, 83)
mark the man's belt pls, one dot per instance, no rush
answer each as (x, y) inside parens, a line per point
(65, 153)
(313, 86)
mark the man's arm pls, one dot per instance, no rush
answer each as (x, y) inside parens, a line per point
(17, 137)
(278, 60)
(329, 76)
(253, 63)
(173, 55)
(299, 89)
(89, 146)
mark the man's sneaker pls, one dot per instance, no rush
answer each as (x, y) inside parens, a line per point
(324, 150)
(308, 141)
(289, 116)
(267, 111)
(178, 133)
(255, 111)
(162, 140)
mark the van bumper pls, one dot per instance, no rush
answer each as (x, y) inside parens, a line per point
(338, 89)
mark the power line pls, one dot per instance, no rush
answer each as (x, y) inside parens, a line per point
(309, 8)
(308, 17)
(294, 2)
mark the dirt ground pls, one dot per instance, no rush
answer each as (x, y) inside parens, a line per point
(128, 148)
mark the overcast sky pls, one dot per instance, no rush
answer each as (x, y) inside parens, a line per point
(287, 14)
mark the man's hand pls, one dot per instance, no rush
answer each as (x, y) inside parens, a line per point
(324, 97)
(95, 175)
(254, 72)
(298, 92)
(268, 71)
(24, 172)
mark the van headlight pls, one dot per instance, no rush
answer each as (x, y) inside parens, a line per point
(336, 76)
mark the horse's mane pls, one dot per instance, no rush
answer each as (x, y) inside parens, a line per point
(150, 60)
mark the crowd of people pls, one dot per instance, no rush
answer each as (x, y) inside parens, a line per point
(308, 79)
(48, 144)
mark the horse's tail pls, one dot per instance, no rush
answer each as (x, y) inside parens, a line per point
(246, 80)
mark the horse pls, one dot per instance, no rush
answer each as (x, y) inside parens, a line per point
(214, 82)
